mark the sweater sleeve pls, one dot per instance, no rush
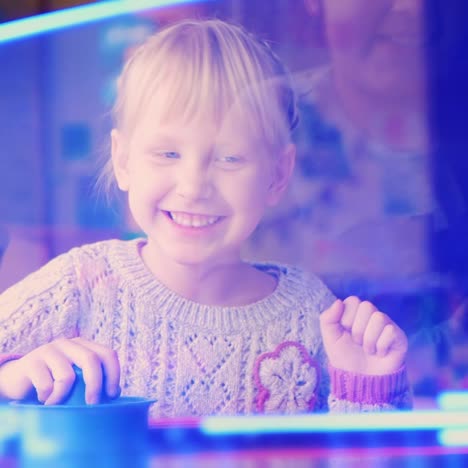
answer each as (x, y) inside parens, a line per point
(352, 392)
(42, 307)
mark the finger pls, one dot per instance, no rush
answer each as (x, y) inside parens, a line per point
(41, 379)
(361, 319)
(63, 376)
(333, 314)
(16, 381)
(90, 364)
(110, 363)
(392, 337)
(330, 321)
(374, 329)
(351, 304)
(386, 340)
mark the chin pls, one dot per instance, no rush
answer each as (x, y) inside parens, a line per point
(190, 259)
(190, 262)
(195, 258)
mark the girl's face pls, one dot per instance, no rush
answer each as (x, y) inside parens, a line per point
(378, 45)
(198, 189)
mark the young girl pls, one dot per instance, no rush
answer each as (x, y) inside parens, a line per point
(202, 148)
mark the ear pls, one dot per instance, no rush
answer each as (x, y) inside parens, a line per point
(119, 159)
(282, 174)
(313, 7)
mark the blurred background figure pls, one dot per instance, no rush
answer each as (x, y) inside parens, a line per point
(378, 206)
(358, 210)
(377, 67)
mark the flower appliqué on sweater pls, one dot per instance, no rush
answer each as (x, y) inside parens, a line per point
(287, 379)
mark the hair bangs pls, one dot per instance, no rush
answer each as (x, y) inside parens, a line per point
(207, 73)
(192, 85)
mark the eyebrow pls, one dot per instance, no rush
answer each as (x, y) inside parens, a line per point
(160, 138)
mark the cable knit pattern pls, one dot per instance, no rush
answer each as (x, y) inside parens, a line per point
(192, 359)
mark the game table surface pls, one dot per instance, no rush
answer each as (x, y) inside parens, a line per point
(360, 440)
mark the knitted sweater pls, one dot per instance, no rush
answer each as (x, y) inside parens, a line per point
(192, 359)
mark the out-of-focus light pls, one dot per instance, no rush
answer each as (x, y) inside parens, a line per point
(56, 20)
(9, 425)
(453, 437)
(415, 420)
(452, 400)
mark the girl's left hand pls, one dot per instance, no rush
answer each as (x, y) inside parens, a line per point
(360, 339)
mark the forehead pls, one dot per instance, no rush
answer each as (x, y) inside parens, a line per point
(224, 114)
(233, 129)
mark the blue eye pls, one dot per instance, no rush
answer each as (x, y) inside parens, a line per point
(231, 159)
(164, 156)
(170, 154)
(231, 162)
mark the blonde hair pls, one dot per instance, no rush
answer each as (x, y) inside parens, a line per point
(203, 68)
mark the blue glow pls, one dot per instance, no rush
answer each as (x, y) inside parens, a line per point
(415, 420)
(56, 20)
(453, 400)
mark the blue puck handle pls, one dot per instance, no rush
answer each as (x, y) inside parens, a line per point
(76, 396)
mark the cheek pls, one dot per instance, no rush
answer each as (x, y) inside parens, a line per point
(146, 178)
(252, 194)
(146, 190)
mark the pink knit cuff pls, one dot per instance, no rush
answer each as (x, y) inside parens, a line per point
(9, 357)
(368, 389)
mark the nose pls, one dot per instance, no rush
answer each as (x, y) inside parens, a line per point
(194, 182)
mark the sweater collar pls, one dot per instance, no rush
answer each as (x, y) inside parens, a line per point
(153, 295)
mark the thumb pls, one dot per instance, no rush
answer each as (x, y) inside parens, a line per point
(14, 385)
(330, 321)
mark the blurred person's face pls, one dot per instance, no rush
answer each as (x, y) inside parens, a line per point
(376, 45)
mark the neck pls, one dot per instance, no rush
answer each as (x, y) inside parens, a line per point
(230, 282)
(398, 122)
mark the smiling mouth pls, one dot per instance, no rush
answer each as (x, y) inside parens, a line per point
(191, 220)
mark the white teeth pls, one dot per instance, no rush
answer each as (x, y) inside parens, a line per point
(190, 220)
